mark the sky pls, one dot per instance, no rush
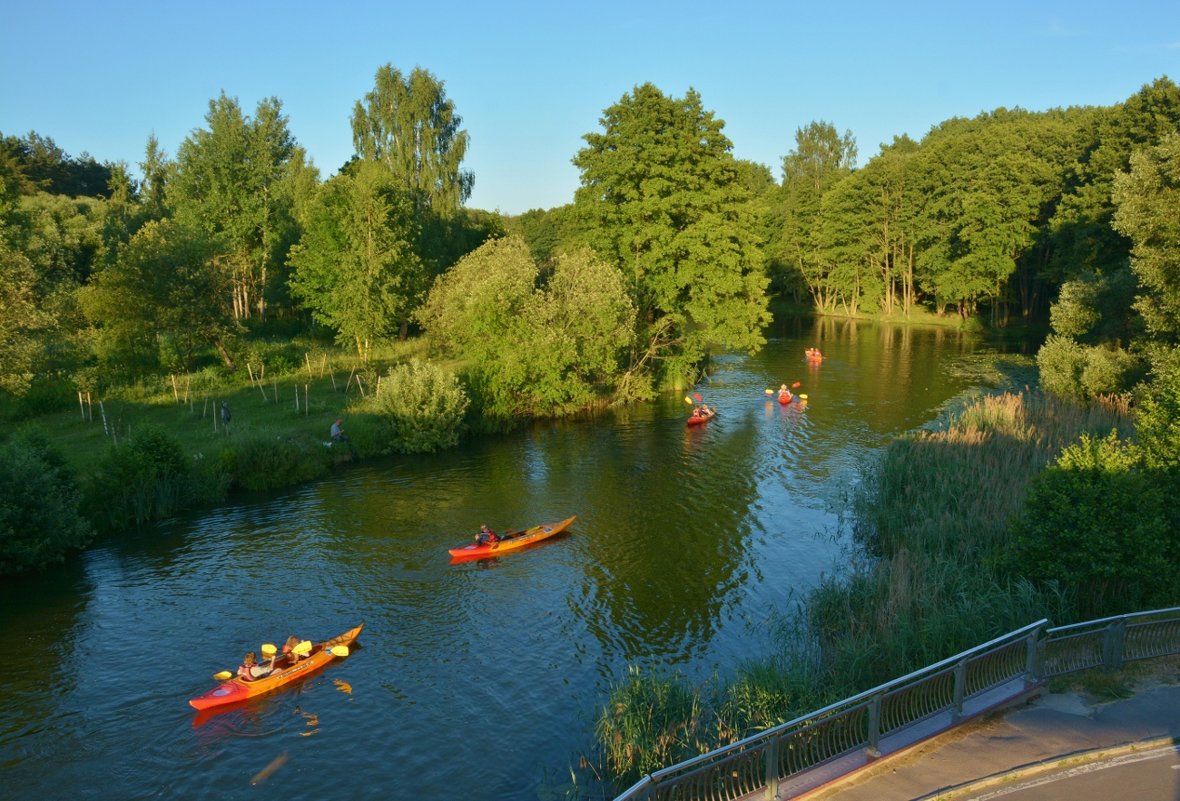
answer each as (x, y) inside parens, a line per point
(531, 79)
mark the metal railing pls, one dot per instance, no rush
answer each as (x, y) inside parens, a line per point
(801, 754)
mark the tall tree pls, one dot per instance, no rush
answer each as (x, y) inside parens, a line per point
(228, 182)
(355, 266)
(408, 124)
(665, 203)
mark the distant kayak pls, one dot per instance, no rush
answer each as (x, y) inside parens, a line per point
(813, 355)
(511, 540)
(697, 419)
(785, 397)
(236, 689)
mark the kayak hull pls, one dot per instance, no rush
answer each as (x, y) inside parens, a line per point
(512, 541)
(704, 418)
(235, 690)
(784, 398)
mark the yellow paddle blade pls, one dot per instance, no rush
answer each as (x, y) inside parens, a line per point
(687, 399)
(268, 649)
(224, 675)
(303, 648)
(802, 396)
(339, 650)
(770, 392)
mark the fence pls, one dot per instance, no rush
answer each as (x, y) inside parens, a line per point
(811, 750)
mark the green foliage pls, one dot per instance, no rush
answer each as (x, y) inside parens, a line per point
(664, 202)
(159, 303)
(420, 407)
(1157, 414)
(648, 723)
(1095, 522)
(408, 124)
(1072, 370)
(259, 462)
(39, 519)
(355, 266)
(533, 350)
(149, 478)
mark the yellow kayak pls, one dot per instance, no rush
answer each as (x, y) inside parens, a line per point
(511, 540)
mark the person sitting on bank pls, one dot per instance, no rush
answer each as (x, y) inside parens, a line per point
(337, 431)
(486, 536)
(250, 670)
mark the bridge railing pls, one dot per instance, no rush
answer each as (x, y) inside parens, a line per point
(803, 753)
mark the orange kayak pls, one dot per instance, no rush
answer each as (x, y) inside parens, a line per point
(511, 540)
(236, 689)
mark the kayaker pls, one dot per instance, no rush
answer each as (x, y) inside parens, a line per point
(250, 670)
(486, 536)
(289, 648)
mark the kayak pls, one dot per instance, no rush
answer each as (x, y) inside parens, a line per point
(814, 356)
(236, 689)
(704, 418)
(784, 398)
(511, 540)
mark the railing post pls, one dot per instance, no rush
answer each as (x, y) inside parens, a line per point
(1032, 658)
(1112, 644)
(875, 726)
(772, 769)
(959, 691)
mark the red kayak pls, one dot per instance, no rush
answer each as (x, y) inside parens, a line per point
(698, 419)
(784, 398)
(286, 671)
(511, 540)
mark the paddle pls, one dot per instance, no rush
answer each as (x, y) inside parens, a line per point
(303, 649)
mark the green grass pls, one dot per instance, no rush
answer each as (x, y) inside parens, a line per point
(188, 410)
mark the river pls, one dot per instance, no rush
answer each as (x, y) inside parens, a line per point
(475, 680)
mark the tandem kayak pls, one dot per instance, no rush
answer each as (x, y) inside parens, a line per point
(236, 689)
(511, 540)
(696, 420)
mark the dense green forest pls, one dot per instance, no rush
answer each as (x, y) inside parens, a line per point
(671, 250)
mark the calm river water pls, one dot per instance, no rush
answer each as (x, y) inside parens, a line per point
(473, 680)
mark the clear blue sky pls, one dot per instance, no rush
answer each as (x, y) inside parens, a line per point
(531, 78)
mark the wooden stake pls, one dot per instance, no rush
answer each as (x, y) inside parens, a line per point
(276, 384)
(305, 394)
(323, 365)
(89, 406)
(296, 399)
(333, 374)
(307, 361)
(250, 370)
(103, 411)
(175, 394)
(81, 407)
(360, 386)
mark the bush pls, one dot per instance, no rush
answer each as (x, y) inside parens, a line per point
(39, 518)
(1072, 370)
(260, 462)
(421, 408)
(1096, 523)
(147, 479)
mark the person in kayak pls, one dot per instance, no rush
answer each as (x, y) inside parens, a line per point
(289, 649)
(250, 670)
(486, 536)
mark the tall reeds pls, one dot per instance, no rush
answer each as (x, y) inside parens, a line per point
(932, 519)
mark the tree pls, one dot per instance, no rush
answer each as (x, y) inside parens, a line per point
(355, 265)
(228, 181)
(820, 160)
(408, 124)
(39, 519)
(664, 202)
(535, 348)
(160, 302)
(22, 324)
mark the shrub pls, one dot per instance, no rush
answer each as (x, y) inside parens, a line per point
(261, 462)
(1072, 370)
(39, 518)
(147, 479)
(1096, 522)
(421, 408)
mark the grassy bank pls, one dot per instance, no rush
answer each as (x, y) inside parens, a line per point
(927, 578)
